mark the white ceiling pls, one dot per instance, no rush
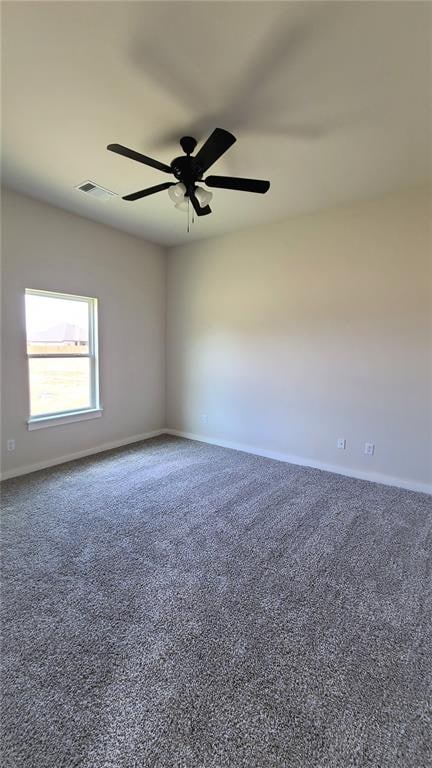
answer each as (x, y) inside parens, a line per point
(329, 101)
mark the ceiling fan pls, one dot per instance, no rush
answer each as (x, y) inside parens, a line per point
(189, 169)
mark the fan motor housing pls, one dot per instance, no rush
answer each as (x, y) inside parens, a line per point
(186, 169)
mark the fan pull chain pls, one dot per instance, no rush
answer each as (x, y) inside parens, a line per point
(193, 215)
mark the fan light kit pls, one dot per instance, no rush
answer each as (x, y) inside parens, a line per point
(179, 196)
(189, 169)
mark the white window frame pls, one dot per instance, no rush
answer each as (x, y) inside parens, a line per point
(81, 414)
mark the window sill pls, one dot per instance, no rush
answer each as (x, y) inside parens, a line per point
(40, 422)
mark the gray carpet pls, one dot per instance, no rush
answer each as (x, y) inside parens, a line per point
(178, 605)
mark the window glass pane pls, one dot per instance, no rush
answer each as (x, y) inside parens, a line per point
(56, 325)
(59, 384)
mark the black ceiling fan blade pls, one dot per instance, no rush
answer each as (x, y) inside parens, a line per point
(197, 208)
(119, 149)
(149, 191)
(216, 145)
(243, 185)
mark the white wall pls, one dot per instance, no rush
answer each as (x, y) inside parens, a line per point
(46, 248)
(289, 336)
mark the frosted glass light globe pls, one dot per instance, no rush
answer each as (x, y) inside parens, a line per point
(177, 192)
(203, 196)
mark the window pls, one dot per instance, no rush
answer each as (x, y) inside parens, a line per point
(62, 357)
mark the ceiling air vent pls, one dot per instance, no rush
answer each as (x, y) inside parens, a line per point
(90, 188)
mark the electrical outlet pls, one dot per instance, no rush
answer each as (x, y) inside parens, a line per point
(341, 443)
(11, 445)
(369, 449)
(204, 419)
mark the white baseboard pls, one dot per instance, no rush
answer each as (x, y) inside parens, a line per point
(373, 477)
(79, 454)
